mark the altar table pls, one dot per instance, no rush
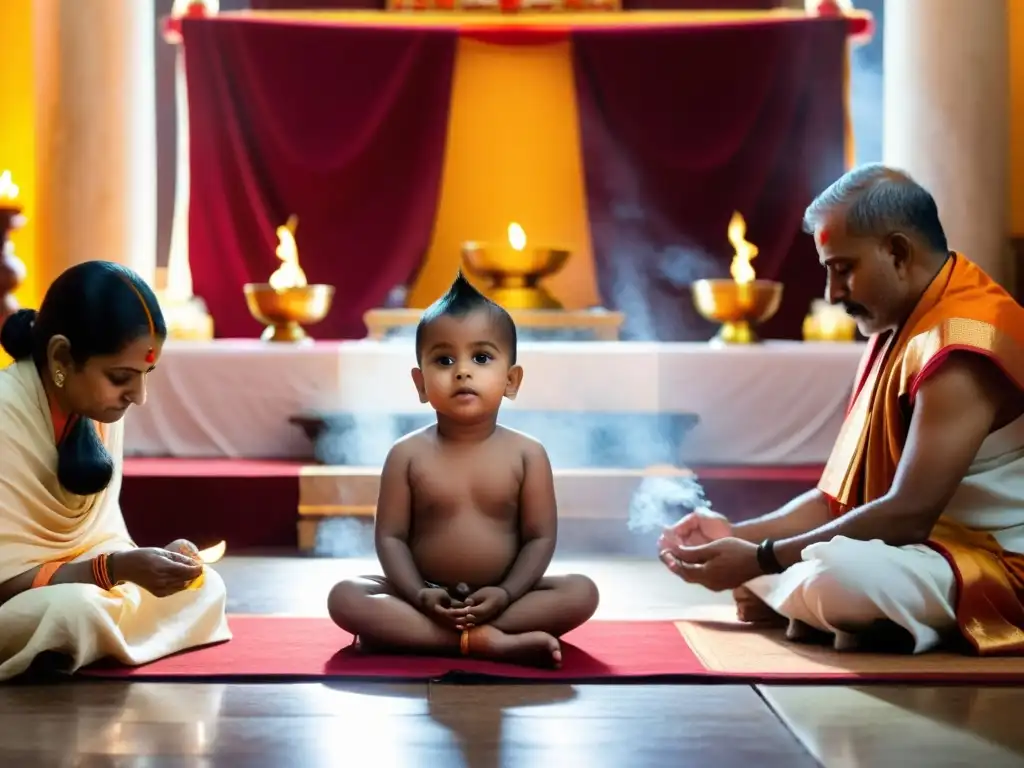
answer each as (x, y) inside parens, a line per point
(779, 403)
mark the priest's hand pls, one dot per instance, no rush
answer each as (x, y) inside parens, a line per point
(724, 564)
(702, 526)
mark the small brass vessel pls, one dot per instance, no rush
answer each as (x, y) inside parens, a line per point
(737, 306)
(512, 275)
(284, 311)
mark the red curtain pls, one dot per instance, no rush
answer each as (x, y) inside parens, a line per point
(681, 127)
(345, 128)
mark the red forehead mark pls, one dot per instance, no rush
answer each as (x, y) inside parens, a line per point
(150, 353)
(823, 237)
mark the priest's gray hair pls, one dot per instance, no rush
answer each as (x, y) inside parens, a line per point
(880, 201)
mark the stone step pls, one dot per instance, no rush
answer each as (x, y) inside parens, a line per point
(327, 491)
(646, 498)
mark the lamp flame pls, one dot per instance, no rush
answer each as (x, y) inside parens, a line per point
(213, 554)
(516, 237)
(289, 274)
(740, 268)
(8, 189)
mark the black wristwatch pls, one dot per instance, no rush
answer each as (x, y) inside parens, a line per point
(766, 557)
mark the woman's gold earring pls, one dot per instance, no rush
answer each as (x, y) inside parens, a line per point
(58, 378)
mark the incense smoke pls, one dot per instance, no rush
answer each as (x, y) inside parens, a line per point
(661, 501)
(602, 440)
(572, 440)
(647, 262)
(344, 537)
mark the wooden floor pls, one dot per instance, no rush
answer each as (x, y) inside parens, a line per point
(484, 726)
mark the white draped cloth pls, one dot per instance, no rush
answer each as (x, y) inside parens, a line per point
(777, 403)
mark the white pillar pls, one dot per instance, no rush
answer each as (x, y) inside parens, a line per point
(179, 272)
(96, 134)
(947, 116)
(186, 315)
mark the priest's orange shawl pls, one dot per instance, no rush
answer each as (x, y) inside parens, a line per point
(962, 310)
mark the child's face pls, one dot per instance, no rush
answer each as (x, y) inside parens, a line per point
(465, 369)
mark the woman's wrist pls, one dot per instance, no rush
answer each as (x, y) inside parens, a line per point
(113, 567)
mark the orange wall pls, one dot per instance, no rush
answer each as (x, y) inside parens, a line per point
(1016, 27)
(17, 126)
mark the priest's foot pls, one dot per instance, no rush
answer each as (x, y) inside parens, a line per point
(752, 610)
(533, 648)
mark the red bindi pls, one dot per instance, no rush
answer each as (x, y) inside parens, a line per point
(150, 356)
(823, 237)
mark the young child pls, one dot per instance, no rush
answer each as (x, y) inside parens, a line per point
(466, 519)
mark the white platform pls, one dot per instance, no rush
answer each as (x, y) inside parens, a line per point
(776, 403)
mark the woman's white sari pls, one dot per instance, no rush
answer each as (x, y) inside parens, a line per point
(41, 522)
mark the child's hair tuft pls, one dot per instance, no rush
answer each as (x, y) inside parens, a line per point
(461, 299)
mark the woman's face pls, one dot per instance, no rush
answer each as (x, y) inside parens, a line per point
(105, 386)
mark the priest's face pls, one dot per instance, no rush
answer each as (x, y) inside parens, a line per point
(867, 276)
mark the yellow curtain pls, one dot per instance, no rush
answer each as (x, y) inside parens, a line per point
(512, 155)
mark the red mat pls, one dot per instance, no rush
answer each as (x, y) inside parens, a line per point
(278, 648)
(270, 648)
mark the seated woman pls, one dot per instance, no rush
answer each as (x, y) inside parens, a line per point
(72, 582)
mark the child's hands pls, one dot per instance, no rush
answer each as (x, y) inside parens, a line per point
(484, 605)
(437, 604)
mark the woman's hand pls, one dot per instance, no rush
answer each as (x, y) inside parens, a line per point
(184, 547)
(159, 571)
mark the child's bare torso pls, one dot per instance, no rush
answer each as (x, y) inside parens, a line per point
(465, 508)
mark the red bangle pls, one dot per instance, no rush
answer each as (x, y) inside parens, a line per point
(100, 574)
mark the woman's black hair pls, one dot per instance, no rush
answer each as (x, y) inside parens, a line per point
(101, 308)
